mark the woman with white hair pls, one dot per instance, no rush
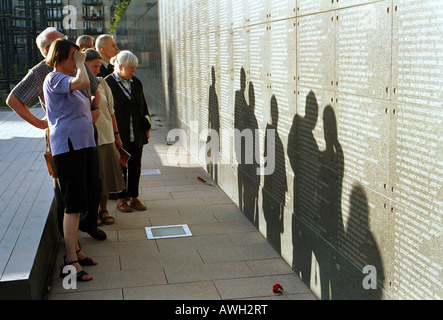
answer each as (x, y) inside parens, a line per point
(131, 113)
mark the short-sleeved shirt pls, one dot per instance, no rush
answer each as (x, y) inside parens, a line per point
(31, 86)
(69, 115)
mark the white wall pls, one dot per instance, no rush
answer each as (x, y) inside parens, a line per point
(358, 88)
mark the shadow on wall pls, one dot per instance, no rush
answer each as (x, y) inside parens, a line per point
(337, 260)
(274, 184)
(247, 149)
(172, 115)
(323, 250)
(213, 124)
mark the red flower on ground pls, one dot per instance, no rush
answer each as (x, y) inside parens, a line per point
(278, 289)
(204, 181)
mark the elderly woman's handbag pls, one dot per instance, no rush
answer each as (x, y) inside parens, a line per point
(49, 159)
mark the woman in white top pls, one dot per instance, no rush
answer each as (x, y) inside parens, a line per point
(108, 142)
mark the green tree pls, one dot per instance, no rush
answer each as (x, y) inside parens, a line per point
(118, 14)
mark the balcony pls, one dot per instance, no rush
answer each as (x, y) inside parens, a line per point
(94, 31)
(54, 2)
(93, 17)
(54, 18)
(92, 2)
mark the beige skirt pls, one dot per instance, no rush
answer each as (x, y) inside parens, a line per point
(112, 172)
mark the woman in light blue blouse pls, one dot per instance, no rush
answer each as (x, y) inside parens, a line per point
(72, 141)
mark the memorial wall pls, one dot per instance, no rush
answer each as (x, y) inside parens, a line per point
(328, 116)
(138, 31)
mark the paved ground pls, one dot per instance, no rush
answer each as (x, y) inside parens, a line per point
(26, 192)
(226, 257)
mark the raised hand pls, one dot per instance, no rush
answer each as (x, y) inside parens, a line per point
(79, 57)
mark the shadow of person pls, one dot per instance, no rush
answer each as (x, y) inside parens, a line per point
(331, 176)
(240, 111)
(303, 152)
(275, 183)
(355, 281)
(330, 220)
(251, 183)
(214, 129)
(172, 98)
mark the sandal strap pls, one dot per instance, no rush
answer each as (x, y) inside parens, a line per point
(80, 276)
(85, 261)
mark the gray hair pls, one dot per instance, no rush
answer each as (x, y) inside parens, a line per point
(92, 54)
(126, 59)
(42, 40)
(82, 39)
(101, 40)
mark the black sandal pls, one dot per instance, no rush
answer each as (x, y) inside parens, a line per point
(80, 274)
(85, 261)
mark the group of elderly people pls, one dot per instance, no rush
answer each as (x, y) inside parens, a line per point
(95, 111)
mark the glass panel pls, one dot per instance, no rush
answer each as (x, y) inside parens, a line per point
(168, 231)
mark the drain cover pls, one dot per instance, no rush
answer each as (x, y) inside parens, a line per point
(163, 232)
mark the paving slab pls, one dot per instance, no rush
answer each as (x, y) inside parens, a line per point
(225, 249)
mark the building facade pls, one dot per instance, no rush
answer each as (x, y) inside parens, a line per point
(20, 22)
(79, 17)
